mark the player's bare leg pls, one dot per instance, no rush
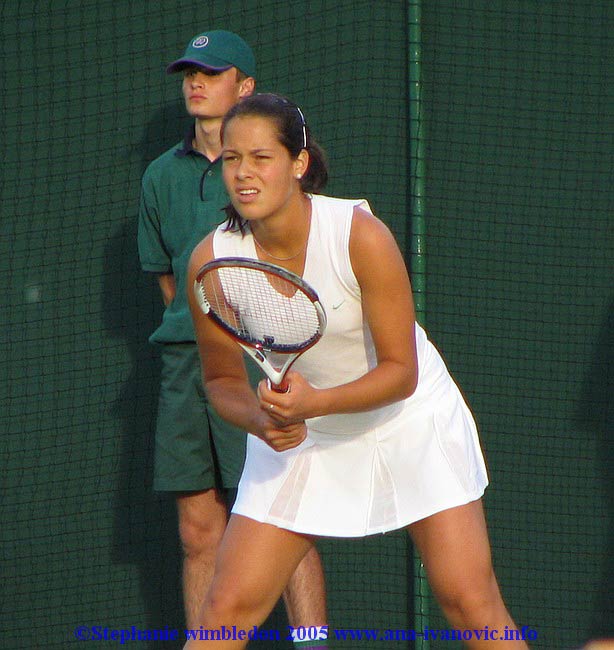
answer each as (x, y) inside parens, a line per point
(202, 521)
(255, 562)
(455, 550)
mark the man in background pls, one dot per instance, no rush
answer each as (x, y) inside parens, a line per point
(198, 456)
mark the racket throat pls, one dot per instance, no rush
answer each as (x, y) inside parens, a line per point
(279, 364)
(274, 365)
(283, 387)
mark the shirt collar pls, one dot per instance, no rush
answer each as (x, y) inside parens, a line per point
(187, 149)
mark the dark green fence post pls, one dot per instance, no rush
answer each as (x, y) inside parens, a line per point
(417, 254)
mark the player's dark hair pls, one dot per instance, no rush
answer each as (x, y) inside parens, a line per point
(294, 135)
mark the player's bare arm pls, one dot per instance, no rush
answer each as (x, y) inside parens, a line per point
(224, 375)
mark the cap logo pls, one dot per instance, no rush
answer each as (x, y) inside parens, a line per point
(201, 41)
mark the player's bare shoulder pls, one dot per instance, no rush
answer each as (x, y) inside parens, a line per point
(370, 239)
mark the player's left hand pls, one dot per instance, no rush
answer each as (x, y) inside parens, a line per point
(295, 405)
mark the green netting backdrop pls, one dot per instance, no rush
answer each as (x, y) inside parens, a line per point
(520, 155)
(519, 110)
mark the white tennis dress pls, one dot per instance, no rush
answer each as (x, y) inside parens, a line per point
(361, 473)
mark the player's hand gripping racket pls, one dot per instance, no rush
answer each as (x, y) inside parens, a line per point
(273, 314)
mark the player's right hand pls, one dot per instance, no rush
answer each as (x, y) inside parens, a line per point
(284, 438)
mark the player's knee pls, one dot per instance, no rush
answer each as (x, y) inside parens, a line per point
(231, 602)
(222, 604)
(471, 601)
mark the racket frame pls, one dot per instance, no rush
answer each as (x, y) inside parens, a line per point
(274, 359)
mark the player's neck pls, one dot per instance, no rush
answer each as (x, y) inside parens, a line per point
(283, 237)
(207, 138)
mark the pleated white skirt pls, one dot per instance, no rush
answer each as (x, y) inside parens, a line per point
(424, 459)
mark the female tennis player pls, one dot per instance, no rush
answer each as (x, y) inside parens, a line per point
(372, 435)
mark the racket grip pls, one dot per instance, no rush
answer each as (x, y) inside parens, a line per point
(284, 387)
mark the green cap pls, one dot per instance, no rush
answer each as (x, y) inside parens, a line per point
(217, 50)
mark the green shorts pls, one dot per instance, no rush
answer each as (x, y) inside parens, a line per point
(195, 448)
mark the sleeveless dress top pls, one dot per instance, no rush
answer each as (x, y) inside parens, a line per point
(360, 473)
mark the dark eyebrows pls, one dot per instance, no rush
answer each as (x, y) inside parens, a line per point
(252, 151)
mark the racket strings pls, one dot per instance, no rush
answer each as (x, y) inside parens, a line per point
(262, 308)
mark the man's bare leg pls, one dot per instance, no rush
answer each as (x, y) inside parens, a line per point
(202, 521)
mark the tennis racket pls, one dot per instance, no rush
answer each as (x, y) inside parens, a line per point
(273, 314)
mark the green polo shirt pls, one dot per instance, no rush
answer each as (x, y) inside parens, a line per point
(182, 197)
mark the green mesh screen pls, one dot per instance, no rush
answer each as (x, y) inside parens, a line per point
(518, 103)
(520, 152)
